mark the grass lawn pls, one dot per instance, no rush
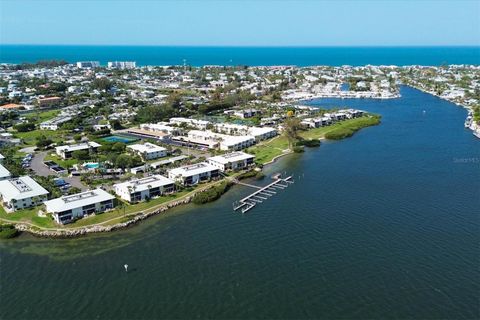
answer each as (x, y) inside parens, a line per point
(265, 151)
(29, 138)
(38, 117)
(28, 215)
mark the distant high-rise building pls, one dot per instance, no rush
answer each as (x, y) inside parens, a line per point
(122, 64)
(88, 64)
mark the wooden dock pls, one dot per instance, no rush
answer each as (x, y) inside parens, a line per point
(262, 194)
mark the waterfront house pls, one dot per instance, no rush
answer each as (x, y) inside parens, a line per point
(20, 193)
(193, 174)
(145, 188)
(67, 209)
(66, 151)
(232, 161)
(148, 151)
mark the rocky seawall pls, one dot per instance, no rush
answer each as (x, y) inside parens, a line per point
(71, 233)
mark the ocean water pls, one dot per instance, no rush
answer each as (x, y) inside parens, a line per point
(382, 225)
(253, 56)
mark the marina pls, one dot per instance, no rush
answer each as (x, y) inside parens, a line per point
(263, 193)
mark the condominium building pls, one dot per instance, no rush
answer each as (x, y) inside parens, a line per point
(4, 173)
(148, 151)
(88, 64)
(198, 124)
(222, 141)
(193, 174)
(20, 193)
(140, 189)
(232, 161)
(122, 64)
(66, 151)
(67, 209)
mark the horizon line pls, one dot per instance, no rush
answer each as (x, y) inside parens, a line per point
(244, 46)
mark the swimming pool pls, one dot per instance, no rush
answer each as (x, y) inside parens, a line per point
(119, 139)
(91, 165)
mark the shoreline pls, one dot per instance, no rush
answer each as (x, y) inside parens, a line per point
(472, 127)
(134, 217)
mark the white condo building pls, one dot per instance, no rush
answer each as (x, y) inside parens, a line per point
(232, 161)
(4, 173)
(199, 124)
(122, 64)
(69, 208)
(20, 193)
(88, 64)
(148, 151)
(223, 141)
(259, 133)
(193, 174)
(160, 127)
(140, 189)
(66, 151)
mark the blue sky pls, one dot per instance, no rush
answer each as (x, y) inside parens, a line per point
(232, 23)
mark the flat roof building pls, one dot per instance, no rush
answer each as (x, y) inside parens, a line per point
(67, 209)
(66, 151)
(4, 173)
(148, 151)
(232, 161)
(48, 102)
(88, 64)
(122, 64)
(193, 174)
(20, 193)
(140, 189)
(222, 141)
(199, 124)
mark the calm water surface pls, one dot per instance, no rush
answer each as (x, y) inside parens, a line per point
(253, 56)
(382, 225)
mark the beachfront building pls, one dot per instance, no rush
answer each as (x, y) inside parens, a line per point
(148, 151)
(88, 64)
(193, 174)
(232, 161)
(194, 123)
(122, 64)
(20, 193)
(66, 151)
(145, 188)
(69, 208)
(4, 173)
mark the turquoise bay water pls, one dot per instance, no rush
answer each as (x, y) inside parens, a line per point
(253, 56)
(381, 225)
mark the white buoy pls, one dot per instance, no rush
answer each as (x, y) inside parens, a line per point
(126, 267)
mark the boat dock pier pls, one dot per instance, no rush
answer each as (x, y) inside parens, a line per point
(262, 194)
